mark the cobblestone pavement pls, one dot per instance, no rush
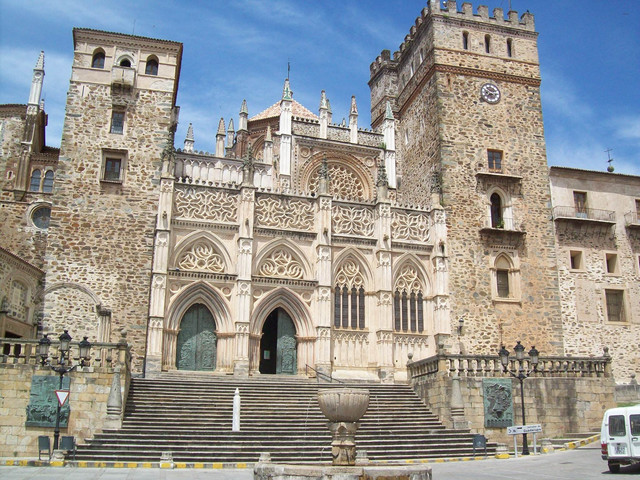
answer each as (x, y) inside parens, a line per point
(583, 464)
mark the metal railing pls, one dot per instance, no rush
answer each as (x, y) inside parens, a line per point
(632, 218)
(319, 375)
(584, 213)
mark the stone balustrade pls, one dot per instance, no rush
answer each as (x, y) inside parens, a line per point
(490, 366)
(25, 351)
(213, 171)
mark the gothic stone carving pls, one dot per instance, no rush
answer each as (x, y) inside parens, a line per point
(284, 213)
(206, 204)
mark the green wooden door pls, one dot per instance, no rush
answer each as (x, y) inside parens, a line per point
(196, 349)
(287, 361)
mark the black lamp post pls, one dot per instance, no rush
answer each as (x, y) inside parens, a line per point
(521, 374)
(63, 366)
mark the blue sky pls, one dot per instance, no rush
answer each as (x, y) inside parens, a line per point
(589, 54)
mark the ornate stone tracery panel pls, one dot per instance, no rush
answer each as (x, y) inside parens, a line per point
(410, 226)
(201, 257)
(343, 183)
(352, 221)
(285, 213)
(281, 264)
(408, 280)
(349, 275)
(205, 204)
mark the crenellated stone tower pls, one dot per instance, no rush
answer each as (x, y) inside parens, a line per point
(465, 93)
(120, 116)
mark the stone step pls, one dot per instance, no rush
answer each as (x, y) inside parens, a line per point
(191, 417)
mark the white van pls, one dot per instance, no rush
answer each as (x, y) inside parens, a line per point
(620, 437)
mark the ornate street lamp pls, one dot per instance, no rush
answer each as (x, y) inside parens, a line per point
(63, 366)
(521, 374)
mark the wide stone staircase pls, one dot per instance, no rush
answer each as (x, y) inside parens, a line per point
(190, 416)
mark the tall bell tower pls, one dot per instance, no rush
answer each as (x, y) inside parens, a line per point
(120, 115)
(465, 91)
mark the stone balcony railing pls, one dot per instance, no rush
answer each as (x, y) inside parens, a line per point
(490, 366)
(24, 351)
(594, 214)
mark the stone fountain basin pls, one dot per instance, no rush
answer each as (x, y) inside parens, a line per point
(343, 404)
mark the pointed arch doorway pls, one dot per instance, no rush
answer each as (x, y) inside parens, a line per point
(278, 346)
(197, 340)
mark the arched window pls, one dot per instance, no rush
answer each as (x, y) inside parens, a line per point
(509, 48)
(98, 59)
(152, 66)
(34, 185)
(349, 299)
(408, 305)
(497, 219)
(503, 277)
(47, 184)
(125, 62)
(487, 43)
(465, 40)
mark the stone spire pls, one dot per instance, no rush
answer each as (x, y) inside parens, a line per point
(220, 135)
(353, 121)
(267, 154)
(287, 94)
(244, 117)
(285, 130)
(248, 167)
(389, 133)
(230, 137)
(188, 141)
(36, 86)
(324, 114)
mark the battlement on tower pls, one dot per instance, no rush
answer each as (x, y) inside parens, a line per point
(450, 11)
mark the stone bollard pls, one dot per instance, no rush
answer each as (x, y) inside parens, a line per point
(502, 451)
(166, 460)
(546, 446)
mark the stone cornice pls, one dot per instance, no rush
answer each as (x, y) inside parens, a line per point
(97, 36)
(290, 282)
(20, 264)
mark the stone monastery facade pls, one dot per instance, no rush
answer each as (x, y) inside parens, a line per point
(300, 243)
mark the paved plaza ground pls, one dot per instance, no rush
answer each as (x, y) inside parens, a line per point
(583, 463)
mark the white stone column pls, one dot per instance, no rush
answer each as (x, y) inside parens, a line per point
(442, 310)
(158, 295)
(384, 295)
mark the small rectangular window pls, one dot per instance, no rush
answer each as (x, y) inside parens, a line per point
(615, 305)
(576, 260)
(611, 261)
(113, 165)
(112, 168)
(117, 122)
(495, 160)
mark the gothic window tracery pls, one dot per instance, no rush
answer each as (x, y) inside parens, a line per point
(344, 183)
(281, 264)
(408, 305)
(349, 298)
(201, 257)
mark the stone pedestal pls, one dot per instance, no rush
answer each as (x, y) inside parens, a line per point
(343, 407)
(343, 446)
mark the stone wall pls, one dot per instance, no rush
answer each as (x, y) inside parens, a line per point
(89, 392)
(571, 399)
(102, 231)
(586, 326)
